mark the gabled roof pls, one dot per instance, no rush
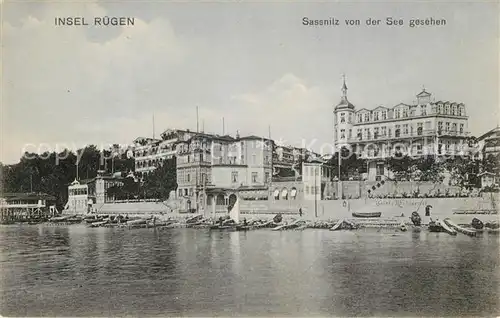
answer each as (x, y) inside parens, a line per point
(401, 104)
(363, 110)
(495, 130)
(423, 93)
(380, 107)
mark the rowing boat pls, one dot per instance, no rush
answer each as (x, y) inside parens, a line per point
(459, 228)
(446, 228)
(366, 214)
(337, 226)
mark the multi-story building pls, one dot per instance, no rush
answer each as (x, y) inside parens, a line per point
(424, 128)
(488, 144)
(149, 153)
(211, 164)
(85, 196)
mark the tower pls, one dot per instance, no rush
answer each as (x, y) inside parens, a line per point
(343, 118)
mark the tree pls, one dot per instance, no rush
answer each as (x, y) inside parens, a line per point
(162, 180)
(351, 165)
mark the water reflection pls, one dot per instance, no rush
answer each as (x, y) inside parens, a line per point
(80, 271)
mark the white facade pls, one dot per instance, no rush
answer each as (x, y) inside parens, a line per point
(78, 199)
(424, 128)
(150, 153)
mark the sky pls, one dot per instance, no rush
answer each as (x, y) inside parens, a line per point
(254, 64)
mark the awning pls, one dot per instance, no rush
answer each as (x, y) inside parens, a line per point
(293, 193)
(276, 192)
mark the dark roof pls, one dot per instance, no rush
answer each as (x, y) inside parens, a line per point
(26, 196)
(423, 93)
(344, 103)
(254, 137)
(489, 133)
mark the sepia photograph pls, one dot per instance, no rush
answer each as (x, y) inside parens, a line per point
(249, 158)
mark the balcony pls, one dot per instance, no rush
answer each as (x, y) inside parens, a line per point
(414, 134)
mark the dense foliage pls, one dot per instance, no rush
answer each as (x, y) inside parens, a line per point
(155, 185)
(350, 165)
(51, 173)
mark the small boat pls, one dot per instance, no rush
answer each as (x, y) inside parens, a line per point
(459, 228)
(403, 227)
(243, 227)
(337, 226)
(446, 228)
(222, 227)
(434, 227)
(98, 224)
(477, 224)
(59, 218)
(415, 218)
(366, 214)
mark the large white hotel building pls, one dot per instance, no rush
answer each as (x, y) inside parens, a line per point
(429, 127)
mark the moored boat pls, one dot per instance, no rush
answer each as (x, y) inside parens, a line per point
(337, 226)
(366, 214)
(446, 228)
(458, 228)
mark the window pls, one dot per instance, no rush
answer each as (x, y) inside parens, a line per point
(267, 176)
(446, 109)
(350, 134)
(375, 132)
(384, 131)
(367, 116)
(254, 177)
(375, 115)
(461, 128)
(405, 129)
(423, 110)
(276, 194)
(360, 118)
(234, 176)
(460, 111)
(397, 113)
(397, 131)
(405, 112)
(447, 127)
(188, 177)
(284, 194)
(367, 133)
(454, 110)
(419, 129)
(454, 127)
(342, 134)
(440, 127)
(384, 115)
(440, 109)
(342, 118)
(360, 134)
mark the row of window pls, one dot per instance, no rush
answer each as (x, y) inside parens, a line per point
(405, 112)
(255, 177)
(284, 194)
(82, 191)
(149, 163)
(399, 130)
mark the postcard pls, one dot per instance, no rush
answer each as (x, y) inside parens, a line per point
(249, 158)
